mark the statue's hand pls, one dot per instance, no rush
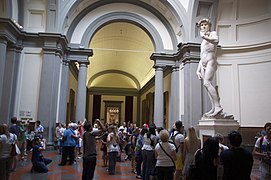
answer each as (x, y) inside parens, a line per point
(202, 33)
(199, 75)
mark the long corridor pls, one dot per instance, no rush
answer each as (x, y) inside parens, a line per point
(74, 172)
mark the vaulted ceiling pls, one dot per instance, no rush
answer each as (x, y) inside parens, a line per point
(121, 57)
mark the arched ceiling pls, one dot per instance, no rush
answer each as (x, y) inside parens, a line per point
(121, 57)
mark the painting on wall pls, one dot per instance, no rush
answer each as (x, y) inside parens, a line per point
(112, 115)
(71, 107)
(113, 112)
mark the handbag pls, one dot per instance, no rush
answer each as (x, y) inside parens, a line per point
(18, 151)
(13, 150)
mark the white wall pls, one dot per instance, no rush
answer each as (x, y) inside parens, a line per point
(29, 83)
(35, 15)
(244, 86)
(244, 60)
(244, 22)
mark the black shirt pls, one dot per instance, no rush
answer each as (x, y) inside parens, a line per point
(237, 163)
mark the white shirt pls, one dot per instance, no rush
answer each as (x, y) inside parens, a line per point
(222, 147)
(6, 144)
(113, 146)
(179, 138)
(147, 142)
(162, 158)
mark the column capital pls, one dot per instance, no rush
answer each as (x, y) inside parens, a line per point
(83, 64)
(175, 68)
(3, 40)
(159, 67)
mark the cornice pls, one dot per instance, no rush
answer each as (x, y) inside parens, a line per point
(147, 86)
(113, 91)
(188, 52)
(80, 55)
(245, 48)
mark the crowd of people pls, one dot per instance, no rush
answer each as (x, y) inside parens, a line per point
(153, 152)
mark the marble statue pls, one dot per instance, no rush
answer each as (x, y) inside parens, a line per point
(208, 66)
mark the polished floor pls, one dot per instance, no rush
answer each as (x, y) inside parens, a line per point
(123, 170)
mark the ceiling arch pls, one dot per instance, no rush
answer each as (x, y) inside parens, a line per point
(113, 71)
(121, 48)
(123, 17)
(163, 28)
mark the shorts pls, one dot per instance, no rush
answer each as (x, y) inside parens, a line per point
(179, 162)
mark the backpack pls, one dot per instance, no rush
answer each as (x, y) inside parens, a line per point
(172, 140)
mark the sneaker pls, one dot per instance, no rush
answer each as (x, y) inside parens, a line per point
(138, 177)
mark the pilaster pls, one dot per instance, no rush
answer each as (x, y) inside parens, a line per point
(10, 83)
(3, 52)
(189, 55)
(49, 88)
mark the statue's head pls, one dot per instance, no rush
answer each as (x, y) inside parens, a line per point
(204, 23)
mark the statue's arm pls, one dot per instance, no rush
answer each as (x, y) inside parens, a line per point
(211, 37)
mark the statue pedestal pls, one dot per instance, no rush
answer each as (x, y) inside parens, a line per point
(209, 127)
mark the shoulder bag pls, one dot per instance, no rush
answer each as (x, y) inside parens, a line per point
(168, 156)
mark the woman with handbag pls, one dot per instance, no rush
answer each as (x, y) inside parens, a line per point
(6, 139)
(191, 145)
(165, 154)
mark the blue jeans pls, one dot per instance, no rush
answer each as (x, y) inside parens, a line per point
(40, 166)
(148, 164)
(89, 164)
(112, 158)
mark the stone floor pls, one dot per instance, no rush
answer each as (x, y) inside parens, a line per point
(74, 172)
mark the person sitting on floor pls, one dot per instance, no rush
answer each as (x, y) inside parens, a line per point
(38, 161)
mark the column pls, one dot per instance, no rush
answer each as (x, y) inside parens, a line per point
(9, 85)
(177, 93)
(63, 92)
(159, 97)
(174, 97)
(81, 93)
(3, 51)
(16, 75)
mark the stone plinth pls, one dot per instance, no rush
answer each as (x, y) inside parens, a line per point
(209, 127)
